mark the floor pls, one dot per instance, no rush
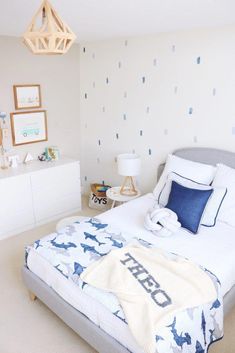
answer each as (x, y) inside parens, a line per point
(30, 327)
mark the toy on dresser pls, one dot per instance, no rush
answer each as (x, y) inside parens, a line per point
(50, 154)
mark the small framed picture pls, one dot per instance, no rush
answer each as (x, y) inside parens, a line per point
(27, 96)
(29, 127)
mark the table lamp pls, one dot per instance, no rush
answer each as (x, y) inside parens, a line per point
(128, 166)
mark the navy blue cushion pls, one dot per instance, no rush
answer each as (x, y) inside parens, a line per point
(188, 204)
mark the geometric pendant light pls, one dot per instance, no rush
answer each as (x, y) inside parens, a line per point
(47, 33)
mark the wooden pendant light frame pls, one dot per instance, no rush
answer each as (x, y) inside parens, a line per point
(54, 36)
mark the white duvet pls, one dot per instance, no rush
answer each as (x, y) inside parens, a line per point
(212, 247)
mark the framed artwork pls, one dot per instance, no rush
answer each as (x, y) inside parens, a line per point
(27, 96)
(29, 127)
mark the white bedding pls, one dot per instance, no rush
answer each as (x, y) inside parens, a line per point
(213, 248)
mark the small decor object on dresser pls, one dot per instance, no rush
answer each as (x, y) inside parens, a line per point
(4, 140)
(28, 158)
(52, 153)
(3, 158)
(27, 96)
(43, 158)
(14, 160)
(29, 127)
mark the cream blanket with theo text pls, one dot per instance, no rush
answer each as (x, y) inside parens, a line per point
(151, 287)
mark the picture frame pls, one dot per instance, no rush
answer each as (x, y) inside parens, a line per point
(29, 127)
(27, 96)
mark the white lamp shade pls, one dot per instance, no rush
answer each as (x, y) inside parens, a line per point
(128, 164)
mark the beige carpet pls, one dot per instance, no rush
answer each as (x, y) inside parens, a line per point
(30, 327)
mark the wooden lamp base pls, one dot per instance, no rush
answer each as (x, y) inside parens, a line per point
(128, 187)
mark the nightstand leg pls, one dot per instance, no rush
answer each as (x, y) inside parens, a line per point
(113, 204)
(32, 296)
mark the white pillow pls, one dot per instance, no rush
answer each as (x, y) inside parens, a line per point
(201, 173)
(214, 203)
(225, 177)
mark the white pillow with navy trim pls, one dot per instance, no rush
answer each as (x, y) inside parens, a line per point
(213, 206)
(200, 172)
(225, 177)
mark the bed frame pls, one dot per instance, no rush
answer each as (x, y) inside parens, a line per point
(93, 334)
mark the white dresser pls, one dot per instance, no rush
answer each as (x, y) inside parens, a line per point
(38, 193)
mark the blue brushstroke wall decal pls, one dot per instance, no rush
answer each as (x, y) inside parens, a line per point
(140, 98)
(190, 111)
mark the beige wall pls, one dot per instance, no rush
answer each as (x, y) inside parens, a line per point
(59, 80)
(155, 94)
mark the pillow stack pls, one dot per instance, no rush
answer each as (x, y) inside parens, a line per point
(191, 206)
(215, 200)
(225, 176)
(197, 192)
(200, 173)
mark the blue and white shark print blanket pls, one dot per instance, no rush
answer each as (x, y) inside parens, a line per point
(75, 248)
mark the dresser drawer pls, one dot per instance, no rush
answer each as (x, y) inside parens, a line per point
(56, 191)
(16, 206)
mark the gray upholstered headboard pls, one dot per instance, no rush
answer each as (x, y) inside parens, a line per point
(204, 155)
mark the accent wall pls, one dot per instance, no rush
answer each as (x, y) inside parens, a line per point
(152, 95)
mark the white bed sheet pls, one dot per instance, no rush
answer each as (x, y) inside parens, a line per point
(213, 248)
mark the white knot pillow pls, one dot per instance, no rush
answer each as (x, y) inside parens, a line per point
(161, 221)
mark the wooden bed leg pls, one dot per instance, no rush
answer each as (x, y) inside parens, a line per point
(32, 296)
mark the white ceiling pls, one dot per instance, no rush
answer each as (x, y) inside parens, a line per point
(99, 19)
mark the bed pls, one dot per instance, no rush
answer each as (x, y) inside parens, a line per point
(89, 318)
